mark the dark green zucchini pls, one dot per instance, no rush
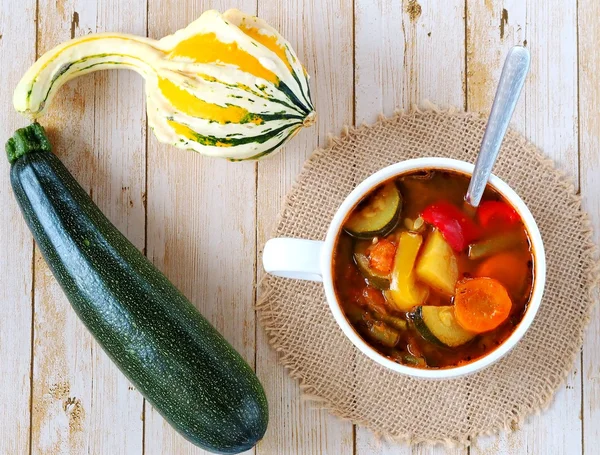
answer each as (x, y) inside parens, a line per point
(438, 325)
(158, 339)
(376, 215)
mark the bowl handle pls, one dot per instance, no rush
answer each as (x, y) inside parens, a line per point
(293, 258)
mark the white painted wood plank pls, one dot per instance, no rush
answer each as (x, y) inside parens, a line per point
(493, 28)
(321, 33)
(547, 114)
(17, 52)
(551, 89)
(81, 402)
(406, 53)
(201, 229)
(380, 34)
(589, 124)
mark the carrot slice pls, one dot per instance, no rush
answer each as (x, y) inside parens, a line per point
(481, 304)
(381, 257)
(507, 268)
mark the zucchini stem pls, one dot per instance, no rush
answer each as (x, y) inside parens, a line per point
(26, 140)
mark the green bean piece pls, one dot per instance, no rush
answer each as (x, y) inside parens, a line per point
(382, 333)
(410, 359)
(354, 313)
(494, 245)
(394, 321)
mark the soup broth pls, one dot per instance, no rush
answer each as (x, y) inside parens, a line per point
(427, 280)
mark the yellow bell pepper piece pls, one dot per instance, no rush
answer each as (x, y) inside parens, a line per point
(405, 292)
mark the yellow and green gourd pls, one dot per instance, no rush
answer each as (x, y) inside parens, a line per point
(228, 85)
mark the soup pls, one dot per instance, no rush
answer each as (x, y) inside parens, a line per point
(427, 280)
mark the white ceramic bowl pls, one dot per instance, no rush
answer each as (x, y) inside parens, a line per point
(312, 260)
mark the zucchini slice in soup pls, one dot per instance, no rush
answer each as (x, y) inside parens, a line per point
(438, 325)
(377, 215)
(376, 279)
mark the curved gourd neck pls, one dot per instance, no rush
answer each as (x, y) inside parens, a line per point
(80, 56)
(26, 140)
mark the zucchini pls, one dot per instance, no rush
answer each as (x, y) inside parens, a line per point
(376, 279)
(158, 339)
(438, 325)
(377, 215)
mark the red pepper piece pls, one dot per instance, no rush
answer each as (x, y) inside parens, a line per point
(456, 228)
(496, 212)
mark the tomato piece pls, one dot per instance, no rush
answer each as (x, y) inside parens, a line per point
(456, 227)
(496, 212)
(373, 299)
(507, 268)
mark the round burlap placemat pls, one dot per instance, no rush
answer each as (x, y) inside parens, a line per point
(330, 369)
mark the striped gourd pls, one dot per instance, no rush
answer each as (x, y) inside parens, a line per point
(228, 85)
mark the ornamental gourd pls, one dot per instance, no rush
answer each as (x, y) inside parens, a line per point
(228, 85)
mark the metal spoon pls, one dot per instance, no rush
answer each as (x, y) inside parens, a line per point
(509, 88)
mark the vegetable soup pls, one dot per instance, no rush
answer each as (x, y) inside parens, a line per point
(427, 280)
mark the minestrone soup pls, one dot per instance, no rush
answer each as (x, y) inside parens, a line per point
(427, 280)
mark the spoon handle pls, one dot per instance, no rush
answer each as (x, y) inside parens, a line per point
(509, 88)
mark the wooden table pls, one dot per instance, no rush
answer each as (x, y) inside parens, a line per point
(203, 221)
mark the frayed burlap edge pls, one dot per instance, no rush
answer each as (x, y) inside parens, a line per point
(591, 266)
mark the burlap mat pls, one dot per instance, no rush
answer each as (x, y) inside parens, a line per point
(300, 326)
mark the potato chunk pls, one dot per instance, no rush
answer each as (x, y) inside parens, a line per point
(437, 265)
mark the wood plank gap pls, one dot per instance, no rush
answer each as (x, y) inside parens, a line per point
(524, 92)
(37, 27)
(354, 450)
(466, 79)
(143, 426)
(578, 141)
(32, 329)
(31, 358)
(466, 104)
(577, 81)
(354, 65)
(96, 76)
(255, 269)
(255, 266)
(581, 412)
(256, 249)
(523, 95)
(145, 206)
(588, 95)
